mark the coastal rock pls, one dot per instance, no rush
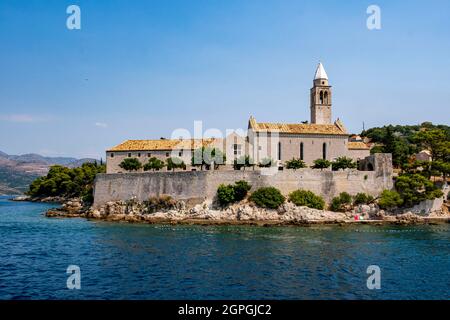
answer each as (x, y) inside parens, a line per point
(21, 198)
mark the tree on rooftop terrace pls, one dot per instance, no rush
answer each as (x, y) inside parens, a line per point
(175, 163)
(154, 164)
(206, 156)
(130, 164)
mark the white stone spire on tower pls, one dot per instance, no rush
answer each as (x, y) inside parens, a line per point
(320, 72)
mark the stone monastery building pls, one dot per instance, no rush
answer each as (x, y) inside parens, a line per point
(319, 139)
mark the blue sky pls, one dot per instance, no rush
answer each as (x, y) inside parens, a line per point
(140, 69)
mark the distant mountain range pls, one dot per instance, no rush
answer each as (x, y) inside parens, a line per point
(18, 171)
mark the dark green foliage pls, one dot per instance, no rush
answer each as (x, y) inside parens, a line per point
(321, 164)
(268, 197)
(343, 163)
(205, 156)
(175, 163)
(404, 141)
(266, 163)
(295, 164)
(227, 194)
(241, 188)
(390, 199)
(65, 182)
(414, 188)
(338, 203)
(130, 164)
(154, 164)
(362, 198)
(243, 162)
(307, 199)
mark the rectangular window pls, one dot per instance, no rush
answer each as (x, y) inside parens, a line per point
(167, 154)
(279, 150)
(139, 155)
(129, 155)
(149, 155)
(112, 155)
(237, 148)
(180, 154)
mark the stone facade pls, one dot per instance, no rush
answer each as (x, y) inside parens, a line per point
(201, 185)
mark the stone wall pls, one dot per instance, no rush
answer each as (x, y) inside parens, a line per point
(200, 185)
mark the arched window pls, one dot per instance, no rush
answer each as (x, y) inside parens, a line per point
(324, 151)
(302, 154)
(326, 97)
(321, 97)
(279, 150)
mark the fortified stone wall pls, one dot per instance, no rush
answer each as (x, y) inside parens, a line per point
(200, 185)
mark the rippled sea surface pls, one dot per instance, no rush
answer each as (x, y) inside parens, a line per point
(132, 261)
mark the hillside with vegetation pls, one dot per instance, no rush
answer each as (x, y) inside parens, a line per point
(67, 182)
(418, 180)
(17, 172)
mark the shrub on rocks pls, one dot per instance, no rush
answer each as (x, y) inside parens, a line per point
(362, 198)
(227, 194)
(339, 203)
(390, 199)
(241, 188)
(268, 197)
(307, 199)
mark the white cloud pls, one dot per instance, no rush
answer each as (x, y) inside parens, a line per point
(101, 125)
(22, 118)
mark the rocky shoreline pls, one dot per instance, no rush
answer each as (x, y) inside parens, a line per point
(244, 213)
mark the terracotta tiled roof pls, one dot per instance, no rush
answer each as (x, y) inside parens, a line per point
(298, 128)
(357, 145)
(162, 144)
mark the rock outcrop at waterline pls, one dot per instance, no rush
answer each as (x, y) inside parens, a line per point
(241, 213)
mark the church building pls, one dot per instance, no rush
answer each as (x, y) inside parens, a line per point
(318, 139)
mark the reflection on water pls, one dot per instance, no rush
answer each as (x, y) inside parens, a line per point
(123, 261)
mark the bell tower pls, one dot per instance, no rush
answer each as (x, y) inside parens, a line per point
(321, 97)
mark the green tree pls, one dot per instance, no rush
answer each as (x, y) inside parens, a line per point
(414, 188)
(295, 164)
(343, 163)
(206, 156)
(243, 162)
(266, 163)
(225, 194)
(340, 202)
(154, 164)
(130, 164)
(321, 164)
(65, 182)
(175, 163)
(390, 199)
(268, 197)
(241, 188)
(362, 198)
(307, 199)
